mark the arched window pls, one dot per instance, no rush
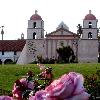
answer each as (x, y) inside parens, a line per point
(90, 24)
(34, 35)
(90, 35)
(34, 25)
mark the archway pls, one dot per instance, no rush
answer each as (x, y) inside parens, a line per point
(34, 35)
(8, 61)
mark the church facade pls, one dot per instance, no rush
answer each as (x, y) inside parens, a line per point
(85, 47)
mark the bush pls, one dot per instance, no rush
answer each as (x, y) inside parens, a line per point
(92, 85)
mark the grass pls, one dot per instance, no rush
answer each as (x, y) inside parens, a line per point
(9, 73)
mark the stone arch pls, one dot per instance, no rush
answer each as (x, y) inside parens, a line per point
(89, 35)
(34, 25)
(34, 35)
(8, 61)
(90, 24)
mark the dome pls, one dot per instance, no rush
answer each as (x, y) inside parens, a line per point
(62, 25)
(35, 16)
(90, 16)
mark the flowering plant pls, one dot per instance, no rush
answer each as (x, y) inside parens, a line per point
(92, 84)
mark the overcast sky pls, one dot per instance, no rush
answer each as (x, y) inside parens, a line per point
(14, 14)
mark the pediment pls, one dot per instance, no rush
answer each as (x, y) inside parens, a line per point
(60, 32)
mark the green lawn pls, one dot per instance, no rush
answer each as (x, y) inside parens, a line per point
(9, 73)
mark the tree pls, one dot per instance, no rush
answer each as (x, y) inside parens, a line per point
(66, 54)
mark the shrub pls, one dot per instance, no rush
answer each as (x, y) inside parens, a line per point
(92, 84)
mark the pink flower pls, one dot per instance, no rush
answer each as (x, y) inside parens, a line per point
(68, 87)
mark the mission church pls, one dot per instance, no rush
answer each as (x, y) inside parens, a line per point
(25, 51)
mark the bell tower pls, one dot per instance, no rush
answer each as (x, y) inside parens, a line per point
(88, 44)
(90, 26)
(35, 28)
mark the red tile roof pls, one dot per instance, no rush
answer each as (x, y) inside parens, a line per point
(12, 45)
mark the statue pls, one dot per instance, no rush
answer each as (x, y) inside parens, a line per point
(79, 31)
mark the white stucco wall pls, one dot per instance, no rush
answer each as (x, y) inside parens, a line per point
(9, 55)
(39, 23)
(86, 31)
(53, 44)
(37, 31)
(88, 51)
(35, 48)
(86, 23)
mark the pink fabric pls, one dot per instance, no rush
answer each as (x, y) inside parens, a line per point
(68, 87)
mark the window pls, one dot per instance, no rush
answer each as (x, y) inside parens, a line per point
(34, 35)
(90, 35)
(14, 52)
(2, 52)
(34, 25)
(90, 24)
